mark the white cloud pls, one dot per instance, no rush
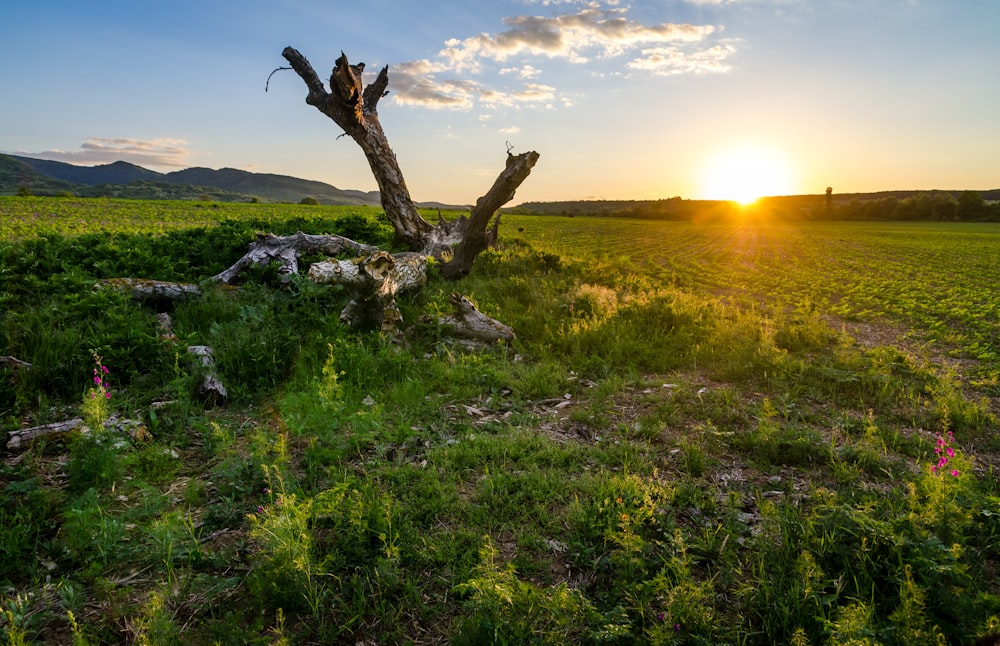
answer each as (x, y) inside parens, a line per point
(512, 130)
(522, 71)
(670, 61)
(593, 30)
(602, 32)
(531, 93)
(162, 153)
(414, 83)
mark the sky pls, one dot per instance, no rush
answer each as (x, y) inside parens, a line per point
(648, 99)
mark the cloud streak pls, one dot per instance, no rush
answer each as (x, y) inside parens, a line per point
(574, 37)
(162, 153)
(578, 37)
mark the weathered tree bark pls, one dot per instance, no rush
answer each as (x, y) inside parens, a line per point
(375, 277)
(471, 324)
(455, 245)
(143, 289)
(14, 363)
(20, 439)
(357, 113)
(475, 233)
(210, 388)
(374, 281)
(286, 251)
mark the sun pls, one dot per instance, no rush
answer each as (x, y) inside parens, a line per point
(746, 174)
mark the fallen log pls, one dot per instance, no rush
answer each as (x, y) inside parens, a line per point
(19, 440)
(144, 289)
(472, 326)
(373, 281)
(14, 363)
(286, 251)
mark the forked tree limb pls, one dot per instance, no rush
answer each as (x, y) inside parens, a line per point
(354, 109)
(478, 235)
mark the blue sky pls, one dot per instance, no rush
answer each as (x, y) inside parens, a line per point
(624, 100)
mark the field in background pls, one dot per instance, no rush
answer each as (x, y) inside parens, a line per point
(933, 281)
(748, 432)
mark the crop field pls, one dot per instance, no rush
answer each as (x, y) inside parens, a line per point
(933, 281)
(745, 432)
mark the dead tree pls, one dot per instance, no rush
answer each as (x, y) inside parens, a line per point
(454, 244)
(375, 277)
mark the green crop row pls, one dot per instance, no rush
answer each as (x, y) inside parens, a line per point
(934, 282)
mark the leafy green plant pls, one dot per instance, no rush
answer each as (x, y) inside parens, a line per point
(505, 610)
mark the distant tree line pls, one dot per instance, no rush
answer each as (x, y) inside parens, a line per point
(968, 206)
(943, 206)
(674, 208)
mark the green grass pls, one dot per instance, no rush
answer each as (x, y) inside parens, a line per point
(704, 433)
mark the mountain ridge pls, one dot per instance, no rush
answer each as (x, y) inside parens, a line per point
(124, 179)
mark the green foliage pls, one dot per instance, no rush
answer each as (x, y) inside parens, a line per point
(505, 610)
(704, 433)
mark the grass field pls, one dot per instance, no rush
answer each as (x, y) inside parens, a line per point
(750, 432)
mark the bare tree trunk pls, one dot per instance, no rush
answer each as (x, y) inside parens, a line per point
(455, 245)
(374, 282)
(356, 112)
(478, 235)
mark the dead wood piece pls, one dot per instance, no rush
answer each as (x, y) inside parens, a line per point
(14, 363)
(373, 281)
(143, 289)
(470, 324)
(21, 439)
(211, 387)
(166, 327)
(286, 251)
(476, 234)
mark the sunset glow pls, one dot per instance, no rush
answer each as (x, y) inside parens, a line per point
(645, 99)
(746, 174)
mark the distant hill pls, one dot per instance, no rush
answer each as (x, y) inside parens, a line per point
(275, 188)
(117, 173)
(15, 175)
(122, 179)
